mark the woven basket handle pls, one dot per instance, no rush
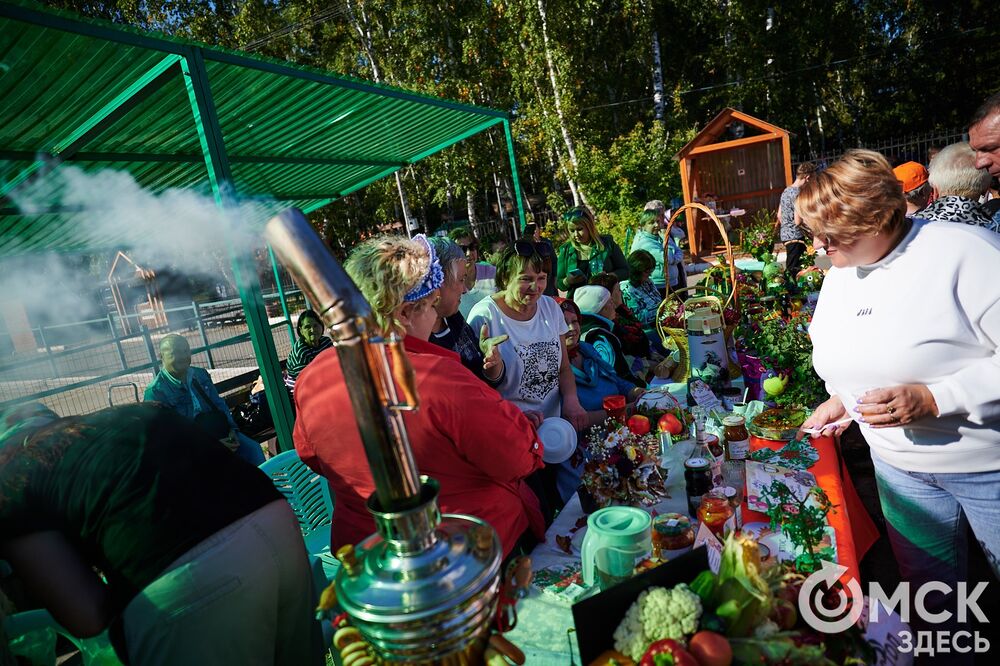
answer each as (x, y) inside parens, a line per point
(725, 237)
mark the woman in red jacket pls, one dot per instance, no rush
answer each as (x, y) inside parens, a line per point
(478, 446)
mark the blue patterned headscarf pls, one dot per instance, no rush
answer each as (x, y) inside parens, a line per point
(434, 277)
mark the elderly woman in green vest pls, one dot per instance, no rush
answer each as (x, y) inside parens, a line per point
(587, 252)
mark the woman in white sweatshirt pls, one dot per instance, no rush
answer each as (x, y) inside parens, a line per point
(905, 335)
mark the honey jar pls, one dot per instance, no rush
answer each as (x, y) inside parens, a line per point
(672, 535)
(716, 513)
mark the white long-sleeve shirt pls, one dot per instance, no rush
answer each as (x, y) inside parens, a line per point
(928, 313)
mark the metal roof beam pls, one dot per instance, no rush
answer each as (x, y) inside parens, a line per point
(7, 211)
(308, 195)
(459, 137)
(117, 108)
(24, 156)
(317, 205)
(108, 115)
(514, 177)
(320, 161)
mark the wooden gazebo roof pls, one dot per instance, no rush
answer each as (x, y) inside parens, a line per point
(707, 140)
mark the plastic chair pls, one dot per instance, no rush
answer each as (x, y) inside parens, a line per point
(308, 493)
(96, 651)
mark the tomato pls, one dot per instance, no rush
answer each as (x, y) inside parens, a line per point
(670, 423)
(711, 649)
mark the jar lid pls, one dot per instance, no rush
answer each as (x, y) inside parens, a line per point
(696, 463)
(716, 493)
(733, 420)
(671, 524)
(704, 321)
(730, 492)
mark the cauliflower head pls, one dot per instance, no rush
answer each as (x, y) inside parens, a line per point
(658, 613)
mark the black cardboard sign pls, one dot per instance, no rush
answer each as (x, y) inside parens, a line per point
(597, 617)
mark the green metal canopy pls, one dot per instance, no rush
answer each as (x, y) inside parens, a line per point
(100, 96)
(177, 114)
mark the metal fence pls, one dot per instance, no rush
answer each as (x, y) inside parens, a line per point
(897, 150)
(111, 367)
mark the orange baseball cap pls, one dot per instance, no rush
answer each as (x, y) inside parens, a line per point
(911, 174)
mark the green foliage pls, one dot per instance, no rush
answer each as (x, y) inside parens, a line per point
(784, 345)
(803, 520)
(618, 224)
(637, 167)
(759, 235)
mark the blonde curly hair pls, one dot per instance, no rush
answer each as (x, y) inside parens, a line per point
(385, 269)
(856, 196)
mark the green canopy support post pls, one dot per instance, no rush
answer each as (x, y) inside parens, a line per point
(513, 173)
(281, 295)
(213, 147)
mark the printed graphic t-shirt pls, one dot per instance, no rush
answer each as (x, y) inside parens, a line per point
(532, 355)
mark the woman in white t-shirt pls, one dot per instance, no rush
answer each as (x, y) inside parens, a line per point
(539, 377)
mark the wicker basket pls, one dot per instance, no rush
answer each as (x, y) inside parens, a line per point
(712, 298)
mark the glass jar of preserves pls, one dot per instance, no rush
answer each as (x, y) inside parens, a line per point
(698, 481)
(713, 444)
(716, 513)
(737, 437)
(672, 535)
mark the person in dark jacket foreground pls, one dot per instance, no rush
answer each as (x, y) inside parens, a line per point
(202, 558)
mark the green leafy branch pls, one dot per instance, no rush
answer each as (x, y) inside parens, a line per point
(801, 520)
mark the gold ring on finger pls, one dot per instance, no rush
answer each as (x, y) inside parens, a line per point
(891, 411)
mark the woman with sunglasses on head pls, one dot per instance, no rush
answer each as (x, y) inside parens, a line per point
(308, 345)
(906, 335)
(586, 253)
(478, 446)
(538, 375)
(533, 232)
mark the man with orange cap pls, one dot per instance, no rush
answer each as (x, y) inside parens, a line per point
(913, 177)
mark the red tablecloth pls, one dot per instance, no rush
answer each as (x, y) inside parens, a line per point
(856, 532)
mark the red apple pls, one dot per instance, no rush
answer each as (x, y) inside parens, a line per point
(670, 423)
(638, 424)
